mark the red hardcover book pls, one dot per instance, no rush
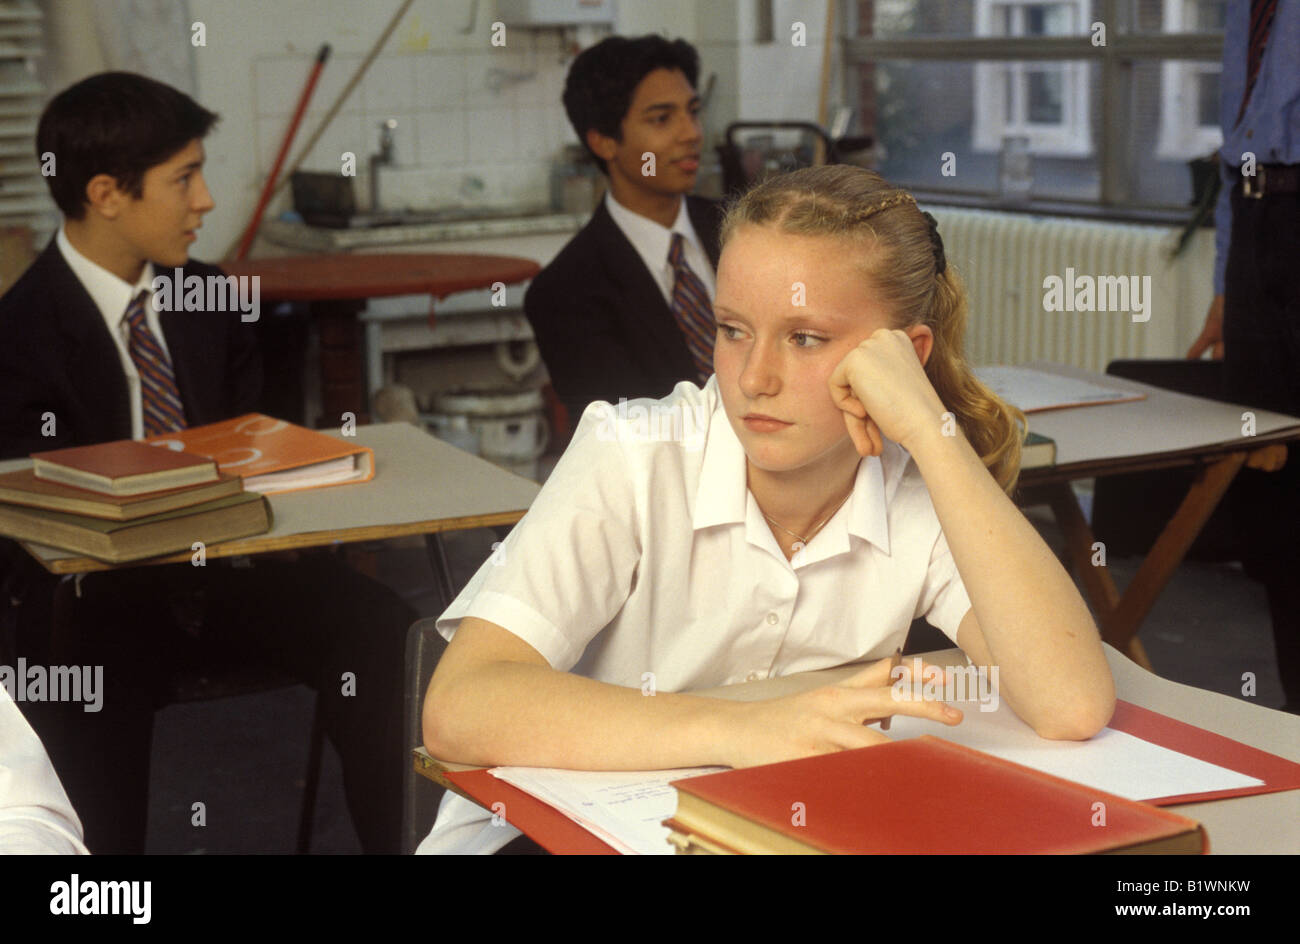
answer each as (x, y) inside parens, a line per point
(922, 795)
(123, 467)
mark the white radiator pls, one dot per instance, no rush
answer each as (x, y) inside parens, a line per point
(1004, 259)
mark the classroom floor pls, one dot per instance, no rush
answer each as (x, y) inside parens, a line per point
(245, 757)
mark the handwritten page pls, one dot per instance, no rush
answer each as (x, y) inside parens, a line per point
(625, 808)
(1033, 390)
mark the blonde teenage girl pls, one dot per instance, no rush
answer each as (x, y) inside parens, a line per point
(841, 474)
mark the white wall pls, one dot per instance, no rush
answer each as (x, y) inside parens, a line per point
(780, 80)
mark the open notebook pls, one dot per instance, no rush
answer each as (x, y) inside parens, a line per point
(1036, 390)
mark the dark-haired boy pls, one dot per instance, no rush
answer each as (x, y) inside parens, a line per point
(625, 309)
(88, 359)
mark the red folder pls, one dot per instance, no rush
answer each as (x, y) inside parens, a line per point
(1278, 773)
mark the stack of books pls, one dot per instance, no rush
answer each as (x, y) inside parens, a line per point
(125, 501)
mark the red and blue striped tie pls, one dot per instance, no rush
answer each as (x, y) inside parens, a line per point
(1261, 21)
(693, 310)
(159, 396)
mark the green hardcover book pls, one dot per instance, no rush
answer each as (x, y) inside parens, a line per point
(1037, 451)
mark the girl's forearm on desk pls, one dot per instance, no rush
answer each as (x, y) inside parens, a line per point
(531, 715)
(1034, 623)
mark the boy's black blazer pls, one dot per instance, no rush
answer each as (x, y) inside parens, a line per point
(57, 357)
(601, 322)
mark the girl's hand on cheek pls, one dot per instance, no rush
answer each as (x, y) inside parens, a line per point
(884, 392)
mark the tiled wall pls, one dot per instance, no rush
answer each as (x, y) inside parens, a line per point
(472, 126)
(476, 123)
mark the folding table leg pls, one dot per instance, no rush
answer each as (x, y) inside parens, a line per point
(1098, 584)
(1121, 615)
(1207, 490)
(421, 653)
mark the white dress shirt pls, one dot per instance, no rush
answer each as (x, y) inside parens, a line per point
(111, 296)
(35, 815)
(647, 554)
(652, 242)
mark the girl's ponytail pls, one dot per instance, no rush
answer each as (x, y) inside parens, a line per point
(992, 426)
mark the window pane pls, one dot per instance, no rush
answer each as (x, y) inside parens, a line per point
(1043, 19)
(1175, 119)
(921, 118)
(894, 18)
(1173, 16)
(891, 19)
(1045, 106)
(1209, 16)
(1207, 106)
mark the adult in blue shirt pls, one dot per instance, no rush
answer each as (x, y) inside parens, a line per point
(1254, 321)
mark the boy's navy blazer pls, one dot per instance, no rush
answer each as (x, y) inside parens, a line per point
(600, 319)
(57, 357)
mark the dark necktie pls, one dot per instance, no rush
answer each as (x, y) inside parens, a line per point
(1261, 20)
(692, 309)
(159, 396)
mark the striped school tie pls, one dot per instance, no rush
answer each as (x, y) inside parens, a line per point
(160, 399)
(1261, 21)
(693, 310)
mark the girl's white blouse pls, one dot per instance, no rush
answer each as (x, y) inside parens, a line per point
(35, 815)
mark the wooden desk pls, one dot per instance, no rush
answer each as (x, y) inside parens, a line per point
(1166, 430)
(338, 284)
(1264, 823)
(422, 485)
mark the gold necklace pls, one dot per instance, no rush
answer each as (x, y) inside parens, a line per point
(805, 540)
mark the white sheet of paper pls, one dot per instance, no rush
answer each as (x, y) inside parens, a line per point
(1113, 761)
(1032, 390)
(624, 808)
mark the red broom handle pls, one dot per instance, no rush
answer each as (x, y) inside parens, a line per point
(269, 186)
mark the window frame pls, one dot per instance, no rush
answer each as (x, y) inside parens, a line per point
(1114, 59)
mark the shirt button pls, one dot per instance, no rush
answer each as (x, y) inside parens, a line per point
(772, 619)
